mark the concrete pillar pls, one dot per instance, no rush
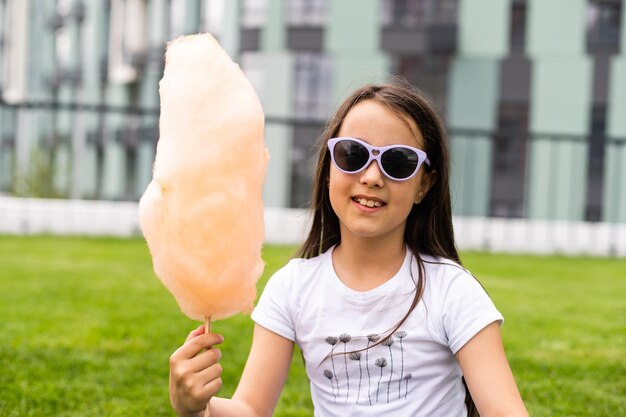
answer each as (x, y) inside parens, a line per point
(614, 204)
(277, 97)
(92, 50)
(561, 85)
(119, 91)
(472, 105)
(193, 16)
(19, 35)
(30, 37)
(7, 129)
(114, 169)
(473, 95)
(149, 94)
(5, 151)
(229, 38)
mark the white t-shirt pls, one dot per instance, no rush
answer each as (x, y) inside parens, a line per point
(415, 372)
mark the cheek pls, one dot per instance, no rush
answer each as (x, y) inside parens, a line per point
(409, 200)
(337, 179)
(419, 183)
(405, 198)
(336, 186)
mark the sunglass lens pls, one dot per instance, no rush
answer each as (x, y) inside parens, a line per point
(350, 155)
(399, 162)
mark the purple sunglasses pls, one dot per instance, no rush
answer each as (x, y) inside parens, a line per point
(397, 162)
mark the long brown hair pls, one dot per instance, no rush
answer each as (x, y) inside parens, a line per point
(429, 224)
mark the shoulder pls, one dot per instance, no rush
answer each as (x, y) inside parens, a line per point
(443, 274)
(458, 303)
(298, 272)
(446, 280)
(280, 302)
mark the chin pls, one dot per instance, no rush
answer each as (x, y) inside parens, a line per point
(369, 233)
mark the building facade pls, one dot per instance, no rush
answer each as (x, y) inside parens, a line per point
(533, 92)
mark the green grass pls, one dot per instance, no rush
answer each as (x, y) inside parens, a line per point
(86, 329)
(565, 329)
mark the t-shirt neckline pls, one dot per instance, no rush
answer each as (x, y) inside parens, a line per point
(364, 296)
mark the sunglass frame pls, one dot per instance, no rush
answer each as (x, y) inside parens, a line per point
(421, 156)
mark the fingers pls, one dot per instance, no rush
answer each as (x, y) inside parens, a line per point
(195, 372)
(194, 333)
(196, 342)
(195, 388)
(182, 369)
(212, 378)
(204, 360)
(199, 370)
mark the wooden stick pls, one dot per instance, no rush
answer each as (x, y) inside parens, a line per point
(207, 329)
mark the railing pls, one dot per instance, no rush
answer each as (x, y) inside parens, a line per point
(541, 175)
(495, 174)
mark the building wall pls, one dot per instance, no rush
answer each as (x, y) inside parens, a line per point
(533, 108)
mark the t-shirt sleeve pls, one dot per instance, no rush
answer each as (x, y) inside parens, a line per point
(466, 310)
(273, 311)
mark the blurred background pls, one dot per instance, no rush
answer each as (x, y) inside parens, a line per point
(533, 93)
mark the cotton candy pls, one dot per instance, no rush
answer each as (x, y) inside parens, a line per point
(202, 213)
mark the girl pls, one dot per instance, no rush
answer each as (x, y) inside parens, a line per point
(388, 321)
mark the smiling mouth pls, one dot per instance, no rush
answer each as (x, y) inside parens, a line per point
(368, 203)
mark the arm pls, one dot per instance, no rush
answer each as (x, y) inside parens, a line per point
(195, 376)
(265, 372)
(488, 375)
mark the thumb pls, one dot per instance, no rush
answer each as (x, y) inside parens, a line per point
(195, 333)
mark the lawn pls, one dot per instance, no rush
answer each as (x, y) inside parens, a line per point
(86, 329)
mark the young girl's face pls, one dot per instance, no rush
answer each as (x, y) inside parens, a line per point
(378, 125)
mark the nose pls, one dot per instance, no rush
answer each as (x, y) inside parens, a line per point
(372, 176)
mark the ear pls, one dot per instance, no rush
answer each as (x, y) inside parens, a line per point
(428, 180)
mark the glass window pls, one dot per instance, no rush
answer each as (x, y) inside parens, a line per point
(429, 73)
(518, 27)
(509, 160)
(386, 12)
(254, 13)
(307, 12)
(595, 169)
(603, 23)
(419, 13)
(313, 89)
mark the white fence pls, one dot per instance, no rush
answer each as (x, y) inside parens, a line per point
(289, 226)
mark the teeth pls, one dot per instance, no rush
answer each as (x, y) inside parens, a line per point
(368, 203)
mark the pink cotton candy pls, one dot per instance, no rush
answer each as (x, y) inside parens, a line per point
(202, 214)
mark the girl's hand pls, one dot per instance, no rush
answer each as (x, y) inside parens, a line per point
(195, 372)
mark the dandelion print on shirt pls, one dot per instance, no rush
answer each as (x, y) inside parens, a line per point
(331, 340)
(345, 339)
(329, 374)
(401, 335)
(356, 356)
(388, 342)
(379, 359)
(381, 363)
